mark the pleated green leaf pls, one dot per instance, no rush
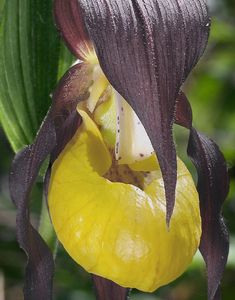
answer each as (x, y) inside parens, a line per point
(31, 56)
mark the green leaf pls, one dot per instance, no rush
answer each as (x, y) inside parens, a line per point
(30, 58)
(2, 3)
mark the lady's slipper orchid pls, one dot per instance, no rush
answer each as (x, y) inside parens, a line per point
(112, 192)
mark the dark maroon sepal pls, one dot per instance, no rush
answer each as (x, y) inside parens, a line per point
(147, 49)
(107, 290)
(213, 183)
(25, 168)
(70, 24)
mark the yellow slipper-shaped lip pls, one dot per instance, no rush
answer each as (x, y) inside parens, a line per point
(117, 230)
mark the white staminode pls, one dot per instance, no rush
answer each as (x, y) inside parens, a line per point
(132, 141)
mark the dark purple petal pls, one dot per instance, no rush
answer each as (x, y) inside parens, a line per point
(147, 49)
(213, 184)
(70, 24)
(58, 128)
(25, 167)
(212, 187)
(107, 290)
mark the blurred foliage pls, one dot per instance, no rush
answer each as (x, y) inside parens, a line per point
(211, 90)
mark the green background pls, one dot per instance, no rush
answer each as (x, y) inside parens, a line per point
(211, 90)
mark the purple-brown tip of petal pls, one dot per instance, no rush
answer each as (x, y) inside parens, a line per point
(168, 165)
(183, 111)
(109, 290)
(69, 21)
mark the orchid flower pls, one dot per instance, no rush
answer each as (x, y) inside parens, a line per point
(122, 204)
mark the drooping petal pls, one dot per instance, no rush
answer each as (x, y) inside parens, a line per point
(58, 128)
(146, 49)
(26, 165)
(70, 24)
(117, 230)
(212, 187)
